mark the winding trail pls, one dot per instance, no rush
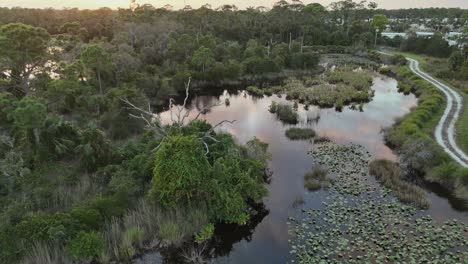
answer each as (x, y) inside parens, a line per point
(445, 130)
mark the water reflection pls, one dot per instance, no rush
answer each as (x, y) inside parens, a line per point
(269, 242)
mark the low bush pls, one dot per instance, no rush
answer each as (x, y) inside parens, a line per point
(86, 246)
(300, 133)
(255, 90)
(284, 112)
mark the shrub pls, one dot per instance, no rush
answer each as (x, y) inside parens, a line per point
(399, 60)
(90, 218)
(300, 133)
(384, 70)
(223, 179)
(86, 246)
(110, 206)
(284, 112)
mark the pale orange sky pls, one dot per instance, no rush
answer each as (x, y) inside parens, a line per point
(93, 4)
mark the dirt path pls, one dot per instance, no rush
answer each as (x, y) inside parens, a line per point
(445, 131)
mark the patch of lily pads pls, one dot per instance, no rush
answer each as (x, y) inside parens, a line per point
(363, 223)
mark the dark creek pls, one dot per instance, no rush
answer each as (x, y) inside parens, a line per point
(269, 239)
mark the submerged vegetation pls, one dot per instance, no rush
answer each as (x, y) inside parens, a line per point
(300, 133)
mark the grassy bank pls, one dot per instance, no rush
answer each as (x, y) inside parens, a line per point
(438, 67)
(412, 136)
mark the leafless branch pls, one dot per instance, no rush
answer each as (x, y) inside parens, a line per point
(154, 123)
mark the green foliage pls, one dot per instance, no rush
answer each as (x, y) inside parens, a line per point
(86, 246)
(42, 227)
(203, 58)
(456, 60)
(181, 168)
(399, 60)
(205, 233)
(111, 206)
(259, 65)
(306, 60)
(223, 180)
(22, 45)
(7, 105)
(90, 218)
(379, 21)
(430, 103)
(95, 149)
(30, 113)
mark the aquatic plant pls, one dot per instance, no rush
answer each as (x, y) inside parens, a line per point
(284, 112)
(316, 179)
(300, 133)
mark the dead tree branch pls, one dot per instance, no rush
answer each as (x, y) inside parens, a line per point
(178, 116)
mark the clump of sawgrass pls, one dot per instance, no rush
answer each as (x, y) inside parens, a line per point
(284, 112)
(42, 253)
(316, 179)
(389, 174)
(149, 226)
(300, 133)
(255, 90)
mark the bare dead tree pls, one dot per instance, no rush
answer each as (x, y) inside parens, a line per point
(178, 116)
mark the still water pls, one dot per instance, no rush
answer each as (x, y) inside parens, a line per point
(265, 240)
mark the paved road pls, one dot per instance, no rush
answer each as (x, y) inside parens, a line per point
(445, 131)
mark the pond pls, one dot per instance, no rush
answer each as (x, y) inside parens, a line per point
(265, 240)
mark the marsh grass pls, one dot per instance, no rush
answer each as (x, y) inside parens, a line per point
(300, 133)
(316, 179)
(149, 226)
(284, 112)
(390, 175)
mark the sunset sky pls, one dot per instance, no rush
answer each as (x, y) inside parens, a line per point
(92, 4)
